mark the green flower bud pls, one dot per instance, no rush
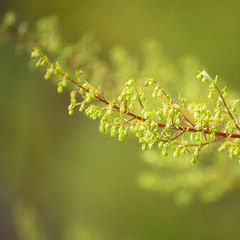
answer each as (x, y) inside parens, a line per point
(35, 53)
(109, 109)
(40, 63)
(155, 92)
(60, 88)
(130, 82)
(149, 82)
(122, 107)
(144, 147)
(199, 76)
(113, 131)
(194, 160)
(49, 73)
(73, 97)
(82, 107)
(177, 121)
(160, 93)
(131, 106)
(102, 128)
(70, 109)
(176, 153)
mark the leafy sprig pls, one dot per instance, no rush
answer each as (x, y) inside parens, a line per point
(174, 124)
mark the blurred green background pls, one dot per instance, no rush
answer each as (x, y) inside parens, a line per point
(59, 177)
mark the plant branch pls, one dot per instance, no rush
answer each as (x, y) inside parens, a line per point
(161, 125)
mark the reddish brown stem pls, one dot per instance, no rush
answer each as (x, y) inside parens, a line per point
(161, 125)
(226, 106)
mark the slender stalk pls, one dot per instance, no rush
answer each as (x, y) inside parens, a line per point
(226, 106)
(161, 125)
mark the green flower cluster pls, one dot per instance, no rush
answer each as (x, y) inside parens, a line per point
(173, 125)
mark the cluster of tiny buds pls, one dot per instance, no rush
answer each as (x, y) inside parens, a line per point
(174, 125)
